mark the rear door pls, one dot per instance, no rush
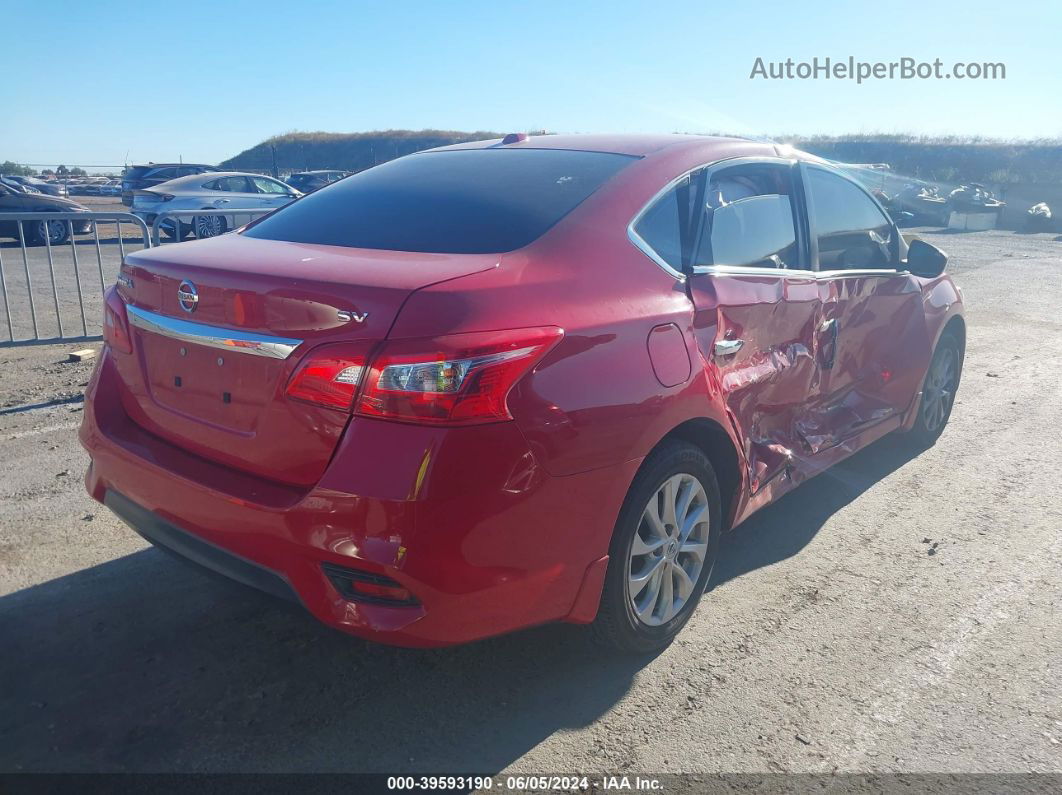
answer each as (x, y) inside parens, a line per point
(875, 342)
(756, 301)
(241, 193)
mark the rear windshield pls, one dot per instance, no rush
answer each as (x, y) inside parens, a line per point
(135, 172)
(472, 201)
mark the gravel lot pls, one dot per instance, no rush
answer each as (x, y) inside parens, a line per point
(897, 613)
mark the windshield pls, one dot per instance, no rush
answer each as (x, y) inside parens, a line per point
(471, 201)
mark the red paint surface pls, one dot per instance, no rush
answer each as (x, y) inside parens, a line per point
(498, 526)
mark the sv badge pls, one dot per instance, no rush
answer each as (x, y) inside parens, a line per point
(347, 317)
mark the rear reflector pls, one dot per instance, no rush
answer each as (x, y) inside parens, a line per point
(363, 586)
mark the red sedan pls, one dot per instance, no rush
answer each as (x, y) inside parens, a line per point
(512, 382)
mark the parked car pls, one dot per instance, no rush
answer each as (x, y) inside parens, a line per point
(112, 187)
(308, 181)
(494, 385)
(55, 231)
(39, 185)
(136, 178)
(17, 186)
(210, 191)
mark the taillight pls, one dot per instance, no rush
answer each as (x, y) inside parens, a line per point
(116, 322)
(460, 379)
(329, 376)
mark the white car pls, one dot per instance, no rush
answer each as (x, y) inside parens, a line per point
(213, 190)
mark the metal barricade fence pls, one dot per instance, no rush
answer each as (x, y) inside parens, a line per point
(203, 223)
(40, 242)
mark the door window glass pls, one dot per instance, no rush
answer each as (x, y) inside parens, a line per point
(748, 219)
(661, 228)
(236, 185)
(268, 186)
(852, 232)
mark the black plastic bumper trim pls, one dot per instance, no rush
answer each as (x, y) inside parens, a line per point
(193, 549)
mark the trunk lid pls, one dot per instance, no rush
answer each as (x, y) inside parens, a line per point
(210, 376)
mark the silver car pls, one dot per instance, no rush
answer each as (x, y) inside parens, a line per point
(213, 190)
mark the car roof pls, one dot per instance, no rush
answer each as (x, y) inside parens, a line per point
(639, 145)
(704, 148)
(169, 165)
(209, 175)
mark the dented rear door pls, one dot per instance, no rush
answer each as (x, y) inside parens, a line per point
(757, 334)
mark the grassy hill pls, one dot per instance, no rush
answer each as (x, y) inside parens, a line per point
(305, 151)
(947, 160)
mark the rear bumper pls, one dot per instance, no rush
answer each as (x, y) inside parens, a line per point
(190, 547)
(464, 519)
(146, 217)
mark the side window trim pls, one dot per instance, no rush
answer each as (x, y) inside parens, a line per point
(705, 170)
(813, 239)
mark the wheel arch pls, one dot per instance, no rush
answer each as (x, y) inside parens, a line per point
(956, 325)
(713, 440)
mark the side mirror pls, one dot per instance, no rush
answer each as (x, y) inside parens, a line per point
(925, 259)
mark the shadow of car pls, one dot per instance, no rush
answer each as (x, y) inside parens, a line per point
(216, 676)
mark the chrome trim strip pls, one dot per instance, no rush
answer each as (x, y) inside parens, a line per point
(212, 336)
(738, 270)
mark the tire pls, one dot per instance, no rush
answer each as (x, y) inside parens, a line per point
(209, 226)
(939, 386)
(56, 232)
(632, 618)
(167, 229)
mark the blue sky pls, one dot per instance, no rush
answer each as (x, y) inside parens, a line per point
(103, 82)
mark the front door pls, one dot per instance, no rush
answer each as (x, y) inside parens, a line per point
(873, 333)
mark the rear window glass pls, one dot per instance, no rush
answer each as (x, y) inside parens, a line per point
(474, 201)
(135, 172)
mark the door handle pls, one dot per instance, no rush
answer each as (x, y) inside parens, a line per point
(728, 347)
(829, 328)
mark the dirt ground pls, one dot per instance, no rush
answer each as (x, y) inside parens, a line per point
(897, 614)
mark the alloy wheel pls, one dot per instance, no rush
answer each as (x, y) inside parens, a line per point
(668, 550)
(209, 225)
(54, 231)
